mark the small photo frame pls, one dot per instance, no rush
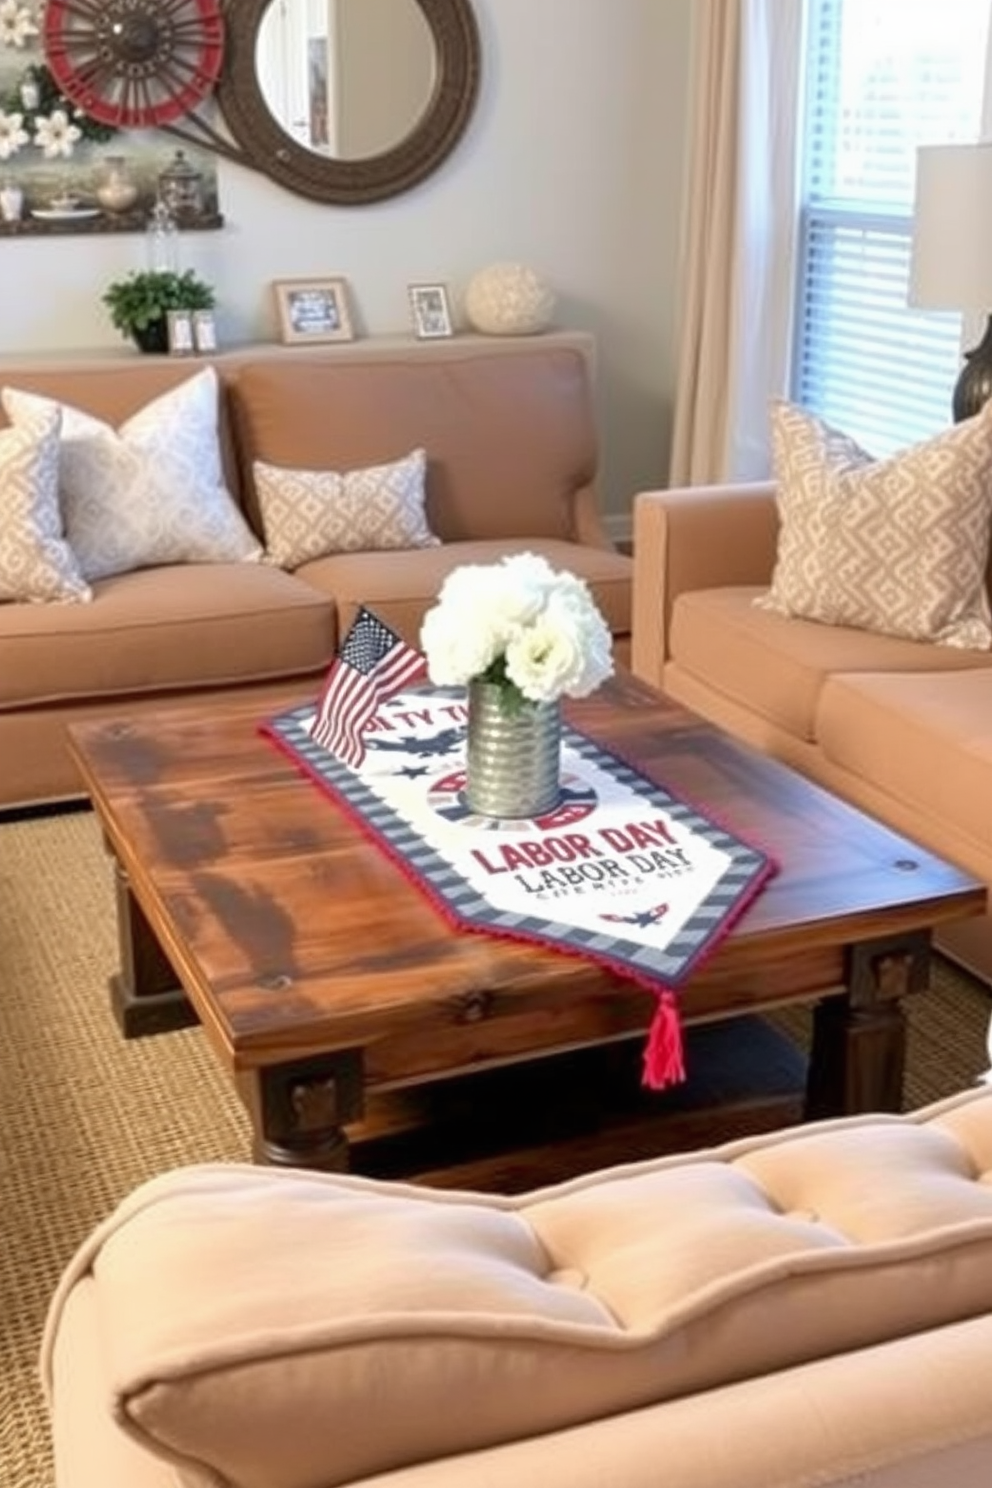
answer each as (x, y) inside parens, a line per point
(313, 310)
(431, 312)
(180, 328)
(204, 331)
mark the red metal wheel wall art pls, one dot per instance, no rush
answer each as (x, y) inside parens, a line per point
(134, 64)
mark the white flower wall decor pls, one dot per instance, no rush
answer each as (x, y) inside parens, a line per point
(56, 135)
(12, 134)
(17, 24)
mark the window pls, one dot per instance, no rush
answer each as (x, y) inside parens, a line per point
(883, 76)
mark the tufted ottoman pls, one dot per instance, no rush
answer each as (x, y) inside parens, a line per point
(809, 1307)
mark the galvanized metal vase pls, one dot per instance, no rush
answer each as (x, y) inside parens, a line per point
(514, 753)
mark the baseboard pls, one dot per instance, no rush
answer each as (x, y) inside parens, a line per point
(620, 528)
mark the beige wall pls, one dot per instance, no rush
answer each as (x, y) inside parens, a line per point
(572, 162)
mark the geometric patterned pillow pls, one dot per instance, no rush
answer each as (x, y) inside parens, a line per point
(899, 546)
(36, 564)
(150, 493)
(309, 513)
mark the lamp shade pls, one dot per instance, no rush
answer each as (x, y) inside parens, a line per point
(951, 259)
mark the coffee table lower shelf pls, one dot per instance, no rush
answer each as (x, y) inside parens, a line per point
(547, 1120)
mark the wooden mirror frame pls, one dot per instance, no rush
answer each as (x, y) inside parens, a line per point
(267, 147)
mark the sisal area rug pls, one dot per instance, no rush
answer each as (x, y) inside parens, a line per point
(84, 1116)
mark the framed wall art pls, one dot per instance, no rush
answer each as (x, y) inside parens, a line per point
(430, 310)
(83, 85)
(313, 310)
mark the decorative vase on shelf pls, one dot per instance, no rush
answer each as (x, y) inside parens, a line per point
(509, 299)
(513, 755)
(116, 191)
(11, 201)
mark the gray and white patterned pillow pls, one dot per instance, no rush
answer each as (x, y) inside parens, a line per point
(309, 513)
(151, 492)
(36, 563)
(898, 546)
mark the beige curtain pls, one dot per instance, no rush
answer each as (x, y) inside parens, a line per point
(702, 404)
(739, 238)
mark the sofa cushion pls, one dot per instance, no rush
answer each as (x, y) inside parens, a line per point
(776, 666)
(401, 587)
(307, 513)
(273, 1328)
(510, 431)
(165, 629)
(924, 740)
(36, 563)
(115, 387)
(152, 491)
(899, 545)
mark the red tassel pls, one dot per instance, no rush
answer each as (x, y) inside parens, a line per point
(663, 1061)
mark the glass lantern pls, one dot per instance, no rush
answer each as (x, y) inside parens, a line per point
(180, 187)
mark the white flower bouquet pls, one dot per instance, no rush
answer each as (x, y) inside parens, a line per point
(519, 623)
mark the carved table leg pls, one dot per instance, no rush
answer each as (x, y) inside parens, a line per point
(859, 1039)
(145, 995)
(298, 1110)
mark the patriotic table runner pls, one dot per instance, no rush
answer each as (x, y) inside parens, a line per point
(621, 872)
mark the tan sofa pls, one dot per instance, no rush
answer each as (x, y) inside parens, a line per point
(808, 1307)
(900, 728)
(509, 429)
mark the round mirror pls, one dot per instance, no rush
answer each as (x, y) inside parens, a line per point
(352, 83)
(349, 101)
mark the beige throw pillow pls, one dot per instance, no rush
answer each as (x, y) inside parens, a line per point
(309, 513)
(151, 492)
(36, 563)
(898, 546)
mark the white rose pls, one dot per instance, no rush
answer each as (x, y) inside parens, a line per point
(526, 580)
(455, 651)
(571, 611)
(543, 659)
(574, 610)
(461, 585)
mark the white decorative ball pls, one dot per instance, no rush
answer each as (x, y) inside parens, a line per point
(509, 299)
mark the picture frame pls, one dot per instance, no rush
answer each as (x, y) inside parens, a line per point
(430, 310)
(313, 310)
(204, 331)
(180, 332)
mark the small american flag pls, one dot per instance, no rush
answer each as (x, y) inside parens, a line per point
(372, 663)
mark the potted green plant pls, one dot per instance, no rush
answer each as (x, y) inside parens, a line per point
(140, 303)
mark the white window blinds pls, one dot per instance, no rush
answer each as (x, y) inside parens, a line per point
(883, 76)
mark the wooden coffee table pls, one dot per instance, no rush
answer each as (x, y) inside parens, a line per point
(353, 1019)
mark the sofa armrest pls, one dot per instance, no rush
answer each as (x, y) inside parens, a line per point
(590, 529)
(698, 537)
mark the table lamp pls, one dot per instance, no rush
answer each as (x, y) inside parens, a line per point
(951, 259)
